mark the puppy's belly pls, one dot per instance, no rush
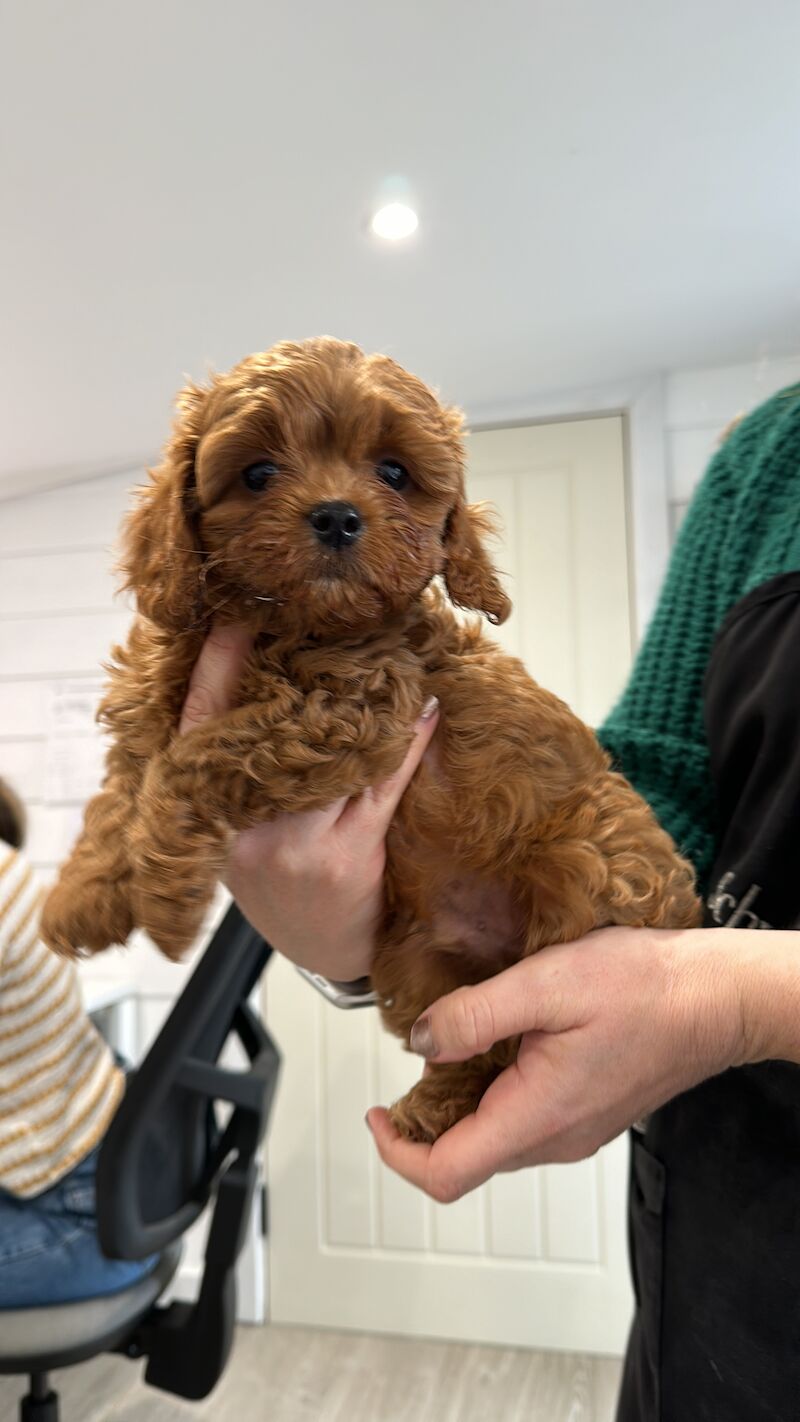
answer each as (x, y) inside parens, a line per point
(478, 916)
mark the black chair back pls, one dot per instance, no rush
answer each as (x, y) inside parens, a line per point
(169, 1152)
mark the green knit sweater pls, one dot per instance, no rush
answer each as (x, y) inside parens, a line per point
(742, 528)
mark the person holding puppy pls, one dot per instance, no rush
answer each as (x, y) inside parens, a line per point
(695, 1035)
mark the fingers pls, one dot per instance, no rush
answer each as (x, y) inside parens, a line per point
(216, 675)
(470, 1020)
(462, 1159)
(294, 836)
(378, 804)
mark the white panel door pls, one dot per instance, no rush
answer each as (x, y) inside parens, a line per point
(537, 1258)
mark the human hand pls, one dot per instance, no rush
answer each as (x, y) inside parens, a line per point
(216, 675)
(612, 1026)
(311, 883)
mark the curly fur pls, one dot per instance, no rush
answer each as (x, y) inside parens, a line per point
(521, 802)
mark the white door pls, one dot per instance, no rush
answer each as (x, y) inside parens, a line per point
(537, 1258)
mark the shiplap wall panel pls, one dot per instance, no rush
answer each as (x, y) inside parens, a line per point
(699, 404)
(52, 829)
(27, 758)
(59, 616)
(60, 646)
(83, 515)
(67, 581)
(24, 710)
(711, 394)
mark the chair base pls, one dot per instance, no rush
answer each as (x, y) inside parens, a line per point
(41, 1404)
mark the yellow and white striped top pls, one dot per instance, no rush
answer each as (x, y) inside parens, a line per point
(59, 1084)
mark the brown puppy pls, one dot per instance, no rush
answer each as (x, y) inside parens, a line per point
(315, 493)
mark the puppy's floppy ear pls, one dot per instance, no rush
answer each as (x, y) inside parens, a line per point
(469, 576)
(161, 557)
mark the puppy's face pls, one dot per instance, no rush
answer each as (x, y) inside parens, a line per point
(313, 489)
(324, 480)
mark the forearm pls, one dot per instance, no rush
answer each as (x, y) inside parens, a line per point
(766, 967)
(746, 984)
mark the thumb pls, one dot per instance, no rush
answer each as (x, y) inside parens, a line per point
(470, 1020)
(216, 674)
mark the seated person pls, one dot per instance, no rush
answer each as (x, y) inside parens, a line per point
(59, 1089)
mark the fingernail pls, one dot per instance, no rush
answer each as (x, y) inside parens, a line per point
(421, 1039)
(429, 709)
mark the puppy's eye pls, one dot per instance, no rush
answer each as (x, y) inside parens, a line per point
(392, 473)
(256, 476)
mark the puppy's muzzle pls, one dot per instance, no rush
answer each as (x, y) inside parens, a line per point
(336, 524)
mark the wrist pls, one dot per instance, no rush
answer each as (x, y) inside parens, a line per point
(767, 968)
(709, 990)
(338, 963)
(359, 993)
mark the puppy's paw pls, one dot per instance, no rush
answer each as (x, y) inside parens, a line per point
(173, 922)
(173, 887)
(84, 915)
(436, 1103)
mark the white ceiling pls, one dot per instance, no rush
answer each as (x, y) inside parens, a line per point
(605, 187)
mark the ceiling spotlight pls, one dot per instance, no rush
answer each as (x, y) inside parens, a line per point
(394, 222)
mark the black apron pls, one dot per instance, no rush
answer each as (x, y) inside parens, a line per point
(714, 1205)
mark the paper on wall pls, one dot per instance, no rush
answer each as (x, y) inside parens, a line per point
(73, 768)
(73, 706)
(75, 748)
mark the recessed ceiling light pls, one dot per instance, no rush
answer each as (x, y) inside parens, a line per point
(394, 221)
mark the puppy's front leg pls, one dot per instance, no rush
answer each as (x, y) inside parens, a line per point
(286, 753)
(89, 907)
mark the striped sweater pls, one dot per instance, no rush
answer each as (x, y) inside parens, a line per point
(59, 1085)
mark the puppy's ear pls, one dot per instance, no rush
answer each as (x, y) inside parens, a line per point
(469, 576)
(161, 557)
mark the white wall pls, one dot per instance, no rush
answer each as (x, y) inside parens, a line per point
(698, 405)
(58, 618)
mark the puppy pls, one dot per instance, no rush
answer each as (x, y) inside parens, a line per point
(317, 494)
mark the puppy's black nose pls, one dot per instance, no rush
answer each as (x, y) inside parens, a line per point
(336, 524)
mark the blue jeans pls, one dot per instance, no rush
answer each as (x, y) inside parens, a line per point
(49, 1250)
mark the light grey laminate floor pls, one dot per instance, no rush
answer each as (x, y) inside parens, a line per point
(280, 1374)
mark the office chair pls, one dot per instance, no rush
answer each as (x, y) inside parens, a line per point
(187, 1132)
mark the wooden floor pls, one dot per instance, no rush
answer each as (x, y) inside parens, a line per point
(303, 1375)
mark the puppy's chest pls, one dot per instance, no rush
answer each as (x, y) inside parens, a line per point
(348, 681)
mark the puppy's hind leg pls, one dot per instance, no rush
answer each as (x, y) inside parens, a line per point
(448, 1093)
